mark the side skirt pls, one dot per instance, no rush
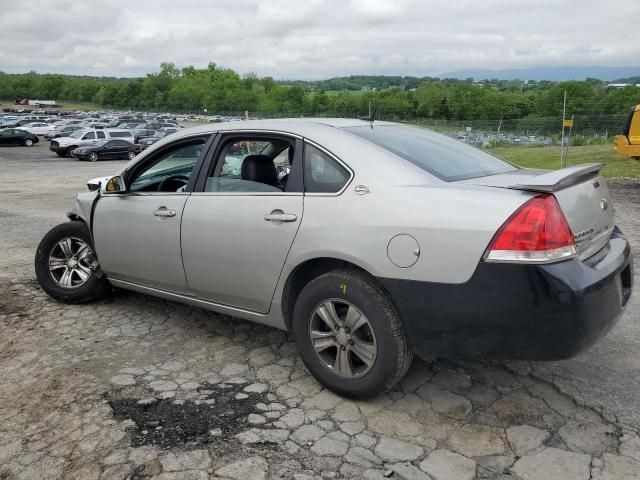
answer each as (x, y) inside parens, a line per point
(263, 319)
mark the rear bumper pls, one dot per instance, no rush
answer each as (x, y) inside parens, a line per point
(519, 312)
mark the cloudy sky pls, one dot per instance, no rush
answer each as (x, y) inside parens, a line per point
(312, 39)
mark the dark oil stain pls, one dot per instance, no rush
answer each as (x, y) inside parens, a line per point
(167, 424)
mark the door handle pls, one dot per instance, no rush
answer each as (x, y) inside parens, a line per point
(163, 212)
(280, 217)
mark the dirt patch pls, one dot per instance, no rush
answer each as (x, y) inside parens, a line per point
(170, 423)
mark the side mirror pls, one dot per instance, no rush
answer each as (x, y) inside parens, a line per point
(114, 185)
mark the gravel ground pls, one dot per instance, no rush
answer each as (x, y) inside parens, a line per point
(136, 387)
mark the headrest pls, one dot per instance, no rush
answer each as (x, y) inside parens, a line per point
(259, 168)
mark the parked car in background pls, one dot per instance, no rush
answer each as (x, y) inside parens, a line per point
(63, 146)
(382, 240)
(146, 142)
(63, 131)
(37, 128)
(15, 136)
(143, 132)
(113, 149)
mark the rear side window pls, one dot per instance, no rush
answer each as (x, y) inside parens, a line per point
(322, 174)
(119, 134)
(444, 157)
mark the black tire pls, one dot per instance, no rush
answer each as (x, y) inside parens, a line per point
(131, 155)
(394, 352)
(68, 151)
(61, 154)
(28, 142)
(95, 287)
(93, 156)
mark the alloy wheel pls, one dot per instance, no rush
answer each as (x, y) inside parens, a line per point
(93, 156)
(71, 262)
(343, 338)
(28, 142)
(131, 155)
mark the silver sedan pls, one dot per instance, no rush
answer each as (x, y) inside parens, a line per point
(368, 241)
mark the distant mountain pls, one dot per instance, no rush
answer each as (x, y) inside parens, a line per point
(554, 74)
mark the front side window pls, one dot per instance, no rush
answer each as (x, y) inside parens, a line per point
(89, 136)
(322, 174)
(252, 165)
(170, 170)
(444, 157)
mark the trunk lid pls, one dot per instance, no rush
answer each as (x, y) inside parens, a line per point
(581, 192)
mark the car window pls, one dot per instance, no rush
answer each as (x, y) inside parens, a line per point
(170, 170)
(100, 135)
(89, 136)
(251, 165)
(322, 174)
(120, 134)
(444, 157)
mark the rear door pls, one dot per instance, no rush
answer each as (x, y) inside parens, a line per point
(238, 226)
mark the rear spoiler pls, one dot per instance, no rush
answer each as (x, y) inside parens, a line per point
(558, 179)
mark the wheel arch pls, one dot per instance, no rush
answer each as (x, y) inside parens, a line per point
(312, 268)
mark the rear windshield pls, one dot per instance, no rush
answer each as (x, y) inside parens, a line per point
(444, 157)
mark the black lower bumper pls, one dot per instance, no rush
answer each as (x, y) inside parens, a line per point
(518, 312)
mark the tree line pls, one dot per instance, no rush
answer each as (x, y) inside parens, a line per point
(222, 90)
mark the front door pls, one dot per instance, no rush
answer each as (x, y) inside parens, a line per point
(238, 229)
(137, 233)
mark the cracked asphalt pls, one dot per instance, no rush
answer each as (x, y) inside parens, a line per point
(140, 388)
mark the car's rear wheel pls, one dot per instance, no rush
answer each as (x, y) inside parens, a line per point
(349, 335)
(131, 155)
(67, 267)
(93, 156)
(28, 142)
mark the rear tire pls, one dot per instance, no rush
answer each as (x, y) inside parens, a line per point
(377, 332)
(28, 142)
(66, 265)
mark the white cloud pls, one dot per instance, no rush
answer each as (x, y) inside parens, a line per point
(315, 38)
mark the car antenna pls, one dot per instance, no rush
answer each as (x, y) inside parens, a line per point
(371, 117)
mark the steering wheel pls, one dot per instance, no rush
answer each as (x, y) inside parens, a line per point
(173, 183)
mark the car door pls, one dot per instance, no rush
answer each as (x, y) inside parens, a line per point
(240, 222)
(137, 233)
(5, 136)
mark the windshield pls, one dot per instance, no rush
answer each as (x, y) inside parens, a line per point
(444, 157)
(78, 133)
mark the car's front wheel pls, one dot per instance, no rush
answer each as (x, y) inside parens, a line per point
(28, 142)
(67, 267)
(349, 335)
(93, 156)
(131, 155)
(69, 151)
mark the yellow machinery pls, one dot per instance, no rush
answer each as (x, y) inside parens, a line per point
(629, 142)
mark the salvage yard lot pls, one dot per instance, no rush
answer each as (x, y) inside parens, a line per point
(136, 387)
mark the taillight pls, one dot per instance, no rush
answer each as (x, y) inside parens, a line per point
(537, 232)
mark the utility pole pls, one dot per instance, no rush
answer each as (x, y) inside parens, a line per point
(564, 111)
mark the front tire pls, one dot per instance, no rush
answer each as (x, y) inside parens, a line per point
(131, 155)
(93, 156)
(66, 265)
(349, 335)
